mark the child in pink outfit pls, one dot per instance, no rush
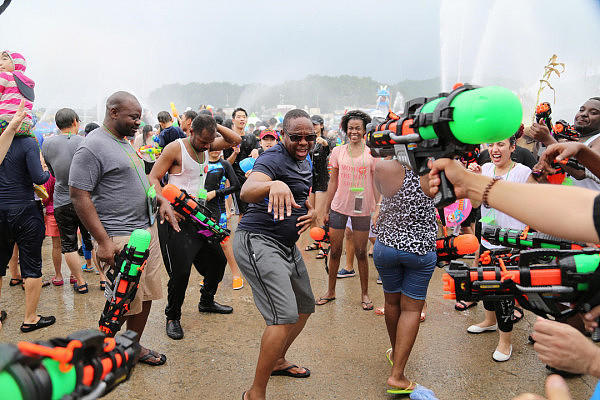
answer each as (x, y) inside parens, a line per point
(14, 87)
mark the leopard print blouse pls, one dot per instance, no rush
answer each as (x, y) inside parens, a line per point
(407, 220)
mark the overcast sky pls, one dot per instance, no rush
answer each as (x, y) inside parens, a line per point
(80, 51)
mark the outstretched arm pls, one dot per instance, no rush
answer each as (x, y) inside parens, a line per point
(574, 222)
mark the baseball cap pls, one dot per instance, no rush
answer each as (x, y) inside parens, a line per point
(268, 132)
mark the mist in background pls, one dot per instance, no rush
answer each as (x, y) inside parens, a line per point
(79, 52)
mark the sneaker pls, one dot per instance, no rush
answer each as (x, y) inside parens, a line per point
(379, 282)
(85, 268)
(174, 330)
(238, 283)
(343, 273)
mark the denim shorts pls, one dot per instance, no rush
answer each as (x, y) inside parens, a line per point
(403, 272)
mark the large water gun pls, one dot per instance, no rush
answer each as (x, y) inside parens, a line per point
(131, 262)
(84, 365)
(185, 204)
(573, 276)
(454, 247)
(320, 234)
(523, 239)
(446, 126)
(152, 151)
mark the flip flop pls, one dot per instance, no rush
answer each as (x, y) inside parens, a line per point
(103, 285)
(311, 247)
(244, 395)
(406, 390)
(367, 305)
(464, 305)
(321, 255)
(388, 353)
(325, 299)
(15, 281)
(57, 282)
(147, 359)
(287, 372)
(3, 316)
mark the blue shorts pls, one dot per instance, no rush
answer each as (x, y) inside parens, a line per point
(403, 272)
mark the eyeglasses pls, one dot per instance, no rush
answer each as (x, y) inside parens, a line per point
(309, 138)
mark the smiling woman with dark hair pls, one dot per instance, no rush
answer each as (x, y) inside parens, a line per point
(350, 194)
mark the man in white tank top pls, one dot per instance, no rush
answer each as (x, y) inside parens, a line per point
(186, 160)
(587, 123)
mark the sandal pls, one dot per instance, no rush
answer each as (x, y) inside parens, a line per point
(407, 390)
(57, 282)
(42, 323)
(103, 285)
(81, 289)
(15, 281)
(321, 255)
(515, 318)
(324, 300)
(367, 305)
(312, 247)
(462, 305)
(3, 316)
(148, 358)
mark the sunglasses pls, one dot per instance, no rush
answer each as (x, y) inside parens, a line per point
(309, 138)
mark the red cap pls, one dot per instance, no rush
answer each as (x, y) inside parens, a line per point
(269, 132)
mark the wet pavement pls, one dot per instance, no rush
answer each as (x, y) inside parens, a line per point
(342, 345)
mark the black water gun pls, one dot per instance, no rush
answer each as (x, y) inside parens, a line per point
(563, 130)
(572, 276)
(470, 157)
(445, 126)
(543, 113)
(493, 257)
(84, 365)
(121, 289)
(185, 204)
(321, 236)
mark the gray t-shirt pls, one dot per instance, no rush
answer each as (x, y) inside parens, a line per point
(58, 152)
(114, 175)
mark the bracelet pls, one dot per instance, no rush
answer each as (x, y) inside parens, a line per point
(486, 192)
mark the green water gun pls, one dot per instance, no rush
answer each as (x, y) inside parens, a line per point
(84, 365)
(446, 126)
(122, 290)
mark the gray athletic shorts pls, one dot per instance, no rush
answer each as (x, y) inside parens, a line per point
(277, 275)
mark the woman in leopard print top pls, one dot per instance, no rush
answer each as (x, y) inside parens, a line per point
(405, 257)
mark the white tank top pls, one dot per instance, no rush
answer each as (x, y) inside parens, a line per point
(192, 175)
(587, 182)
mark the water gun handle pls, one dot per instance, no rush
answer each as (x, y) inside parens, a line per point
(445, 196)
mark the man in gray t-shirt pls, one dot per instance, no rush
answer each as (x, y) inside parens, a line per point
(109, 187)
(102, 166)
(58, 153)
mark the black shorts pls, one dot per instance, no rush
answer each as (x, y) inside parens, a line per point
(25, 227)
(68, 222)
(338, 221)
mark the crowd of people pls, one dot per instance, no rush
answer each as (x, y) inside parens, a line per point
(96, 185)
